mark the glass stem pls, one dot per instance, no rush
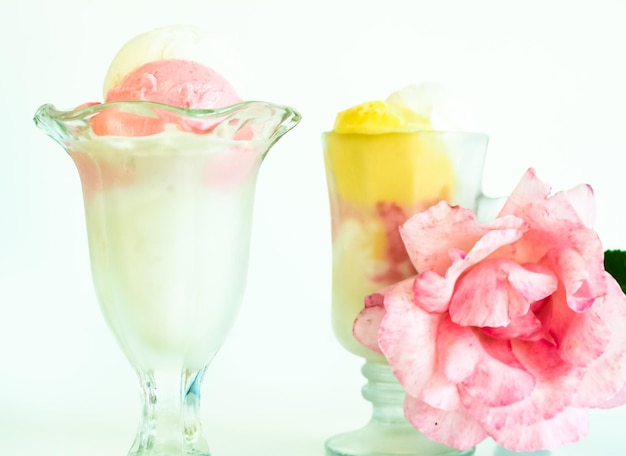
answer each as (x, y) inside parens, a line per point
(385, 393)
(170, 421)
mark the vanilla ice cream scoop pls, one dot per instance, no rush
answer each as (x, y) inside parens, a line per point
(173, 42)
(445, 110)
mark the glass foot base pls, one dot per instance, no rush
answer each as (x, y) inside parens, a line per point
(168, 451)
(388, 433)
(383, 439)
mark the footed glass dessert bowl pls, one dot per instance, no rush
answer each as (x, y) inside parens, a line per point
(168, 197)
(375, 183)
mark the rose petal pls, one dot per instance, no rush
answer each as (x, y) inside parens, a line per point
(483, 297)
(457, 428)
(605, 376)
(555, 228)
(460, 351)
(499, 379)
(533, 281)
(553, 225)
(567, 427)
(367, 325)
(585, 338)
(528, 190)
(583, 282)
(501, 232)
(616, 400)
(555, 385)
(495, 291)
(406, 335)
(429, 235)
(525, 327)
(432, 292)
(582, 200)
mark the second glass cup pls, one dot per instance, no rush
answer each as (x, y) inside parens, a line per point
(375, 183)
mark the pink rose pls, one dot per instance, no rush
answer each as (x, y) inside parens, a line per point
(511, 329)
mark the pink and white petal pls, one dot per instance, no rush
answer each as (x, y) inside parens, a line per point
(406, 337)
(605, 376)
(616, 400)
(542, 213)
(588, 243)
(459, 349)
(484, 296)
(456, 255)
(456, 428)
(573, 271)
(582, 340)
(478, 301)
(429, 235)
(567, 427)
(560, 207)
(556, 384)
(581, 303)
(503, 231)
(498, 380)
(432, 292)
(438, 392)
(528, 190)
(525, 327)
(558, 314)
(533, 281)
(585, 339)
(558, 220)
(367, 325)
(554, 225)
(582, 200)
(375, 299)
(592, 288)
(531, 248)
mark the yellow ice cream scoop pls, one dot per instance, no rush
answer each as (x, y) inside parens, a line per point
(384, 152)
(376, 117)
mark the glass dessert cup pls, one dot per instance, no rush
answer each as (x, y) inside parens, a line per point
(168, 219)
(375, 182)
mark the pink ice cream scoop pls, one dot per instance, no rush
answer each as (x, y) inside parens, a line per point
(176, 82)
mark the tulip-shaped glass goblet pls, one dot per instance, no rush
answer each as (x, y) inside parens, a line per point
(168, 196)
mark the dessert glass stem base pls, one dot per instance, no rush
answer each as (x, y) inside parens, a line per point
(388, 433)
(170, 423)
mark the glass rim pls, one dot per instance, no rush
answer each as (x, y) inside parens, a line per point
(139, 106)
(458, 133)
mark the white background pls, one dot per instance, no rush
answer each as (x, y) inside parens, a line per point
(545, 78)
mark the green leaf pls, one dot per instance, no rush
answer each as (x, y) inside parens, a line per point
(615, 264)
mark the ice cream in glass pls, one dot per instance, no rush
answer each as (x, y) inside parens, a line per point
(168, 165)
(386, 160)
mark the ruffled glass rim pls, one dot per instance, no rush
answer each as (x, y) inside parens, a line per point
(277, 119)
